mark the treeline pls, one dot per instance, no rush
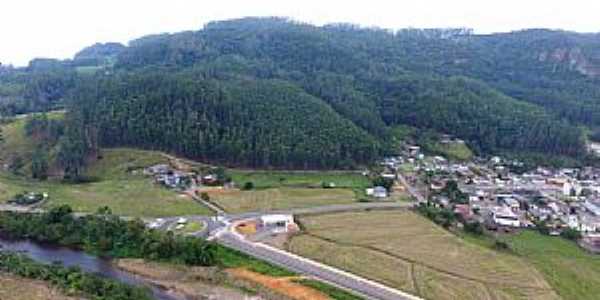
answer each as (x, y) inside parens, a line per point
(264, 92)
(35, 89)
(71, 280)
(258, 123)
(106, 234)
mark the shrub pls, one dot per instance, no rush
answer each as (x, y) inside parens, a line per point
(248, 186)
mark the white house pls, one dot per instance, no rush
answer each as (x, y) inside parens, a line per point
(277, 223)
(504, 216)
(379, 192)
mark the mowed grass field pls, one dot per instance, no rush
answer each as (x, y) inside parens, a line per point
(407, 251)
(115, 183)
(237, 201)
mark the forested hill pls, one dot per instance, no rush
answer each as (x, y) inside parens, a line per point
(271, 92)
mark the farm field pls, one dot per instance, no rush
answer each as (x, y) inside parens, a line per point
(14, 288)
(115, 183)
(574, 273)
(275, 179)
(407, 251)
(236, 201)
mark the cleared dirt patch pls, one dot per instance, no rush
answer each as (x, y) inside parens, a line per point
(246, 228)
(15, 288)
(283, 285)
(192, 282)
(407, 251)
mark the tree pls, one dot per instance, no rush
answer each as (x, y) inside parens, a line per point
(248, 186)
(453, 192)
(16, 164)
(387, 183)
(71, 156)
(204, 196)
(39, 163)
(571, 234)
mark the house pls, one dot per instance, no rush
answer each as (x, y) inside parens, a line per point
(464, 211)
(439, 159)
(277, 223)
(589, 223)
(380, 192)
(504, 216)
(210, 179)
(159, 169)
(389, 176)
(512, 203)
(414, 150)
(593, 207)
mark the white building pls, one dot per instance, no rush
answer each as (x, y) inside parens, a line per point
(379, 192)
(504, 216)
(277, 223)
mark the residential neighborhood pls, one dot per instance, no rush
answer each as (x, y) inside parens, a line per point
(496, 192)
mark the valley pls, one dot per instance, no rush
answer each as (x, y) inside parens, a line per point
(271, 159)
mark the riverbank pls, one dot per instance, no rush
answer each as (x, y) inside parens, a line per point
(191, 282)
(18, 288)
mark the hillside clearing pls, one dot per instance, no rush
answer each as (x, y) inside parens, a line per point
(408, 252)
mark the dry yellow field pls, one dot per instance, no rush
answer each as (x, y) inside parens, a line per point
(13, 288)
(407, 251)
(236, 201)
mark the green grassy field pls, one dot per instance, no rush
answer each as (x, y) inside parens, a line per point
(453, 150)
(407, 251)
(574, 273)
(276, 179)
(117, 183)
(15, 141)
(236, 201)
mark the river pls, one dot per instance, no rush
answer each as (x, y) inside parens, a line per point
(68, 257)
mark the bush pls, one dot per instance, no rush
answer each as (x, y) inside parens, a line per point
(248, 186)
(571, 234)
(384, 182)
(501, 245)
(441, 216)
(204, 196)
(474, 227)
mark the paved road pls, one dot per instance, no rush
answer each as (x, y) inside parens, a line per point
(211, 206)
(361, 286)
(411, 190)
(327, 209)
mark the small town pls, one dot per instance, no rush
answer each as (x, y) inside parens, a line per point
(493, 192)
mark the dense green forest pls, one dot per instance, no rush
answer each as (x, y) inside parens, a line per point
(272, 92)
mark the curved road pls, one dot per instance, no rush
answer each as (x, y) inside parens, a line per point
(359, 285)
